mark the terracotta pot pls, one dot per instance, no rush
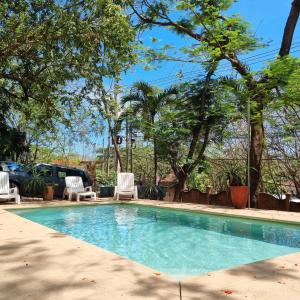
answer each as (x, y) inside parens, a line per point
(239, 196)
(48, 193)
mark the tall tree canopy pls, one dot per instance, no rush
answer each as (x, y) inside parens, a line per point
(45, 45)
(219, 36)
(147, 101)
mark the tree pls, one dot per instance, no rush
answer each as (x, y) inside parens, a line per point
(283, 119)
(107, 104)
(219, 37)
(290, 29)
(187, 126)
(47, 45)
(147, 100)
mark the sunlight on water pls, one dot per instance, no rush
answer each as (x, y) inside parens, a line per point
(172, 241)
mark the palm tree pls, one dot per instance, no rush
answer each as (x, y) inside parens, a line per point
(147, 101)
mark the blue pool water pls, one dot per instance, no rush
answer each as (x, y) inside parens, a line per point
(172, 241)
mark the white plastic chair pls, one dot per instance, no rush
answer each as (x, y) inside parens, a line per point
(125, 186)
(7, 193)
(74, 185)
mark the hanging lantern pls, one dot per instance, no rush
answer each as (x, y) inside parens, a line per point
(119, 140)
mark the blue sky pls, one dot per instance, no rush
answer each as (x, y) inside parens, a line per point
(267, 19)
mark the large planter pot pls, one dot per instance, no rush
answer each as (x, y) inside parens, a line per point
(239, 196)
(107, 191)
(48, 193)
(159, 195)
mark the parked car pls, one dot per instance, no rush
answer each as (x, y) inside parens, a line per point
(52, 174)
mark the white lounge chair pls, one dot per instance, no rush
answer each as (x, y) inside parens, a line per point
(74, 185)
(125, 186)
(7, 193)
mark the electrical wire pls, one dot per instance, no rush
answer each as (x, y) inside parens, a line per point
(254, 59)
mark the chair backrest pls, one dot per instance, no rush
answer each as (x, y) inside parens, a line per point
(74, 183)
(4, 183)
(125, 181)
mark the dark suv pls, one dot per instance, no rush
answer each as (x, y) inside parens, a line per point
(54, 174)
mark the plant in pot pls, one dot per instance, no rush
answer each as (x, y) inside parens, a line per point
(152, 191)
(35, 185)
(238, 190)
(106, 184)
(48, 191)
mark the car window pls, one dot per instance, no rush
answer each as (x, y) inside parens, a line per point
(83, 176)
(44, 170)
(71, 172)
(14, 167)
(61, 172)
(80, 173)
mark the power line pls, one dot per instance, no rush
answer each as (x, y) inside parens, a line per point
(226, 68)
(253, 58)
(219, 72)
(246, 59)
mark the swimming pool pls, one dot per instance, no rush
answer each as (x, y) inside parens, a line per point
(172, 241)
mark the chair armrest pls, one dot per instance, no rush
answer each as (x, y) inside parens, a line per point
(88, 189)
(67, 190)
(14, 191)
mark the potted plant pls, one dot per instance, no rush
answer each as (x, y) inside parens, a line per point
(48, 192)
(35, 185)
(238, 190)
(106, 184)
(151, 191)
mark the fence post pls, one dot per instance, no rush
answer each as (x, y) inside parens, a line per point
(208, 192)
(287, 201)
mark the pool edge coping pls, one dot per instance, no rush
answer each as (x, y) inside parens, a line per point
(194, 278)
(201, 208)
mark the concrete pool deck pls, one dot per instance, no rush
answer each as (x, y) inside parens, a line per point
(38, 263)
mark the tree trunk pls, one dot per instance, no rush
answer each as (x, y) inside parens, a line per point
(131, 149)
(103, 154)
(152, 116)
(127, 145)
(116, 146)
(256, 152)
(290, 28)
(154, 161)
(179, 188)
(117, 152)
(181, 177)
(297, 186)
(108, 154)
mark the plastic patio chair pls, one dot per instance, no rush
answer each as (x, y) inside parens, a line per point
(74, 185)
(125, 186)
(7, 193)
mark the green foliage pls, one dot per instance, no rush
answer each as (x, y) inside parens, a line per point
(219, 33)
(103, 180)
(12, 142)
(284, 74)
(146, 101)
(235, 173)
(179, 117)
(151, 191)
(47, 46)
(35, 184)
(197, 180)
